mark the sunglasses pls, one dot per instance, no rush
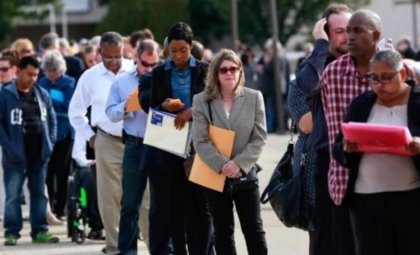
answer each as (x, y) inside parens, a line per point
(4, 69)
(145, 64)
(232, 69)
(384, 79)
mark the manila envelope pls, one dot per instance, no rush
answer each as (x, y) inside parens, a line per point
(201, 173)
(133, 105)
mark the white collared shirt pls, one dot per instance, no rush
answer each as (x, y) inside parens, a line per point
(92, 90)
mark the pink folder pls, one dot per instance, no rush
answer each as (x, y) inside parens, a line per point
(378, 138)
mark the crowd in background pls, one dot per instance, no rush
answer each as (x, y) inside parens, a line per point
(82, 123)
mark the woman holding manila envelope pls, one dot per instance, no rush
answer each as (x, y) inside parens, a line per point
(227, 105)
(384, 191)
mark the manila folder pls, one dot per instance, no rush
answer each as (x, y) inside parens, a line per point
(133, 105)
(201, 173)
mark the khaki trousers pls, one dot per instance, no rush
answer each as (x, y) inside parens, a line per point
(109, 153)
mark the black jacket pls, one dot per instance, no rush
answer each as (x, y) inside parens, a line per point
(359, 111)
(155, 88)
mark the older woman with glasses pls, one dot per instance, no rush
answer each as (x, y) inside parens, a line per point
(225, 103)
(385, 201)
(60, 88)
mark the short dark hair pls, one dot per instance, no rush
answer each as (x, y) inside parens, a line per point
(197, 50)
(181, 31)
(334, 9)
(48, 40)
(112, 38)
(28, 60)
(10, 55)
(147, 45)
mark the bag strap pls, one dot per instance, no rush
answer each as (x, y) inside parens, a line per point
(269, 190)
(210, 113)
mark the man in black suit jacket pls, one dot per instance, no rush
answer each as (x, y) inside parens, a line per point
(179, 208)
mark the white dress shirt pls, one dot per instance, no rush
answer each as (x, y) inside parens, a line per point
(92, 90)
(79, 151)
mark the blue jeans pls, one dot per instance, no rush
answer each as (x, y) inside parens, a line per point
(14, 176)
(134, 182)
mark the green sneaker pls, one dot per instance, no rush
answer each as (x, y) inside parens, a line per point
(10, 240)
(45, 237)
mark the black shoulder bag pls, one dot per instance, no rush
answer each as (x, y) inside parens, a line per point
(284, 191)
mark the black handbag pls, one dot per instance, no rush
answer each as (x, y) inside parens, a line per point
(284, 191)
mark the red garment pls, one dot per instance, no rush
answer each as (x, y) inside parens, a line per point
(340, 84)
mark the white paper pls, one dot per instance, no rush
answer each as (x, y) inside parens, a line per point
(162, 134)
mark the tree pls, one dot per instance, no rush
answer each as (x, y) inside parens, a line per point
(211, 18)
(126, 16)
(12, 9)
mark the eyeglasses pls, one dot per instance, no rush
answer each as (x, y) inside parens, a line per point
(232, 69)
(384, 79)
(145, 64)
(4, 69)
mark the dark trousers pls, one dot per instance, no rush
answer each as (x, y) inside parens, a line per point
(178, 209)
(58, 173)
(246, 198)
(333, 233)
(321, 239)
(386, 223)
(134, 182)
(87, 177)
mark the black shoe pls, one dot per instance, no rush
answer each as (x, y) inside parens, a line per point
(96, 235)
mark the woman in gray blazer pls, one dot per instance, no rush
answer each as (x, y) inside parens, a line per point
(225, 103)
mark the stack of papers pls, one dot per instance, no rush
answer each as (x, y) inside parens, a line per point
(162, 134)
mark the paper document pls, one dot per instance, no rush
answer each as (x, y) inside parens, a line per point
(201, 173)
(378, 138)
(133, 105)
(162, 134)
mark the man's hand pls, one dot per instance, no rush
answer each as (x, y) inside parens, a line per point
(231, 169)
(182, 118)
(92, 142)
(305, 123)
(319, 32)
(168, 106)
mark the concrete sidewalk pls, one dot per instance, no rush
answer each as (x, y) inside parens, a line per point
(280, 240)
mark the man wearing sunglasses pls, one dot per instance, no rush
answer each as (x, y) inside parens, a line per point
(8, 66)
(134, 179)
(92, 90)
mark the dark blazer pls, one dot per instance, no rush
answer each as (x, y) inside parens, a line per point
(160, 86)
(359, 111)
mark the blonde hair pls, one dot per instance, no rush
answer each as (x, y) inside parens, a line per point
(212, 89)
(22, 45)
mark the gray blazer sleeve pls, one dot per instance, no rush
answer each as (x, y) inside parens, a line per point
(200, 135)
(249, 143)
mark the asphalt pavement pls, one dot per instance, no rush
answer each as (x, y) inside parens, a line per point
(280, 240)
